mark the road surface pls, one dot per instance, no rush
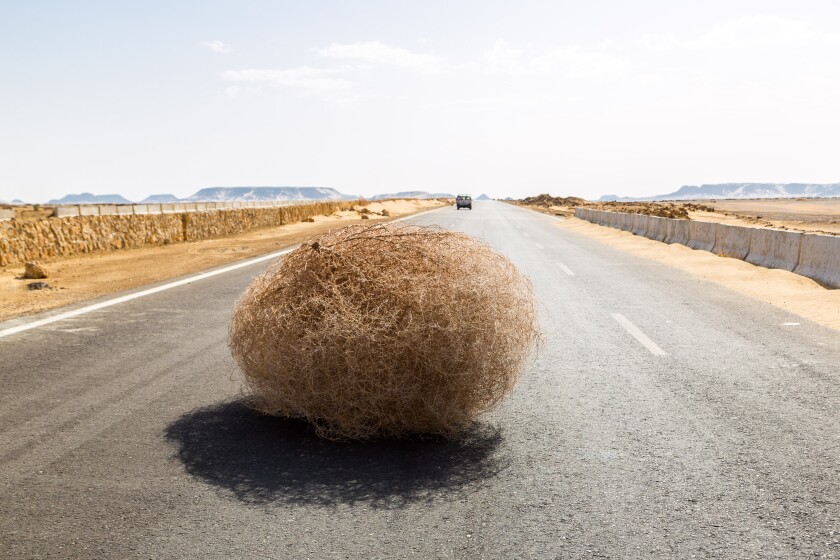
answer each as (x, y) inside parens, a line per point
(664, 417)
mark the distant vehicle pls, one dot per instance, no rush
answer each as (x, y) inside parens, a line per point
(463, 201)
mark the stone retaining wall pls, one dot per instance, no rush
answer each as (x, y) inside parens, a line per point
(60, 237)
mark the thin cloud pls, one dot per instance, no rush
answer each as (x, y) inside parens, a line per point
(304, 78)
(218, 47)
(570, 61)
(378, 53)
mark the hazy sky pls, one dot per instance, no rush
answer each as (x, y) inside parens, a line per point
(508, 98)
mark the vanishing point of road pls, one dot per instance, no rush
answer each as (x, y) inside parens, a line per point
(664, 417)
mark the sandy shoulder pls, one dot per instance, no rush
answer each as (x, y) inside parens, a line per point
(787, 290)
(82, 278)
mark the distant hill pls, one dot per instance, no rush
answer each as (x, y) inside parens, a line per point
(217, 194)
(483, 197)
(160, 199)
(740, 190)
(413, 194)
(89, 198)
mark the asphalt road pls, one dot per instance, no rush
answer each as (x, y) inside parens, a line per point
(665, 417)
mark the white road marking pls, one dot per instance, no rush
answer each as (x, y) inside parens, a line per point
(142, 293)
(638, 335)
(164, 287)
(539, 246)
(790, 324)
(565, 269)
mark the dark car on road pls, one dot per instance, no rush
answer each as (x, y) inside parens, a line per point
(463, 201)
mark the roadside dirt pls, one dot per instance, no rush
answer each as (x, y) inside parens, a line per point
(77, 279)
(792, 292)
(801, 214)
(805, 215)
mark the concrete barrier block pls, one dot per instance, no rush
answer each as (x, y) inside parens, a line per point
(657, 228)
(67, 211)
(619, 220)
(125, 209)
(89, 210)
(169, 208)
(624, 221)
(701, 235)
(236, 204)
(676, 231)
(819, 258)
(774, 248)
(640, 224)
(200, 206)
(107, 209)
(188, 207)
(140, 209)
(579, 213)
(732, 241)
(6, 214)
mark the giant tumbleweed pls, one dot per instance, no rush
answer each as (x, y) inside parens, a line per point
(384, 331)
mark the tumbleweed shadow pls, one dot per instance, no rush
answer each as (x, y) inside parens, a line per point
(262, 459)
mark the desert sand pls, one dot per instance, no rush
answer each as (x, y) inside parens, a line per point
(801, 214)
(808, 215)
(77, 279)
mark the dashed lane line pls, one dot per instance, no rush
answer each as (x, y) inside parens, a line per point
(565, 269)
(638, 335)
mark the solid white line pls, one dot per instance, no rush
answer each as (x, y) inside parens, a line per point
(539, 246)
(638, 335)
(565, 269)
(142, 293)
(164, 287)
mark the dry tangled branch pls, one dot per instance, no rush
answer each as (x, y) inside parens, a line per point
(384, 330)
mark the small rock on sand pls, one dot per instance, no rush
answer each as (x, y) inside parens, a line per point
(37, 285)
(34, 270)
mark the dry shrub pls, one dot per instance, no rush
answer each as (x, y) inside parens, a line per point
(384, 331)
